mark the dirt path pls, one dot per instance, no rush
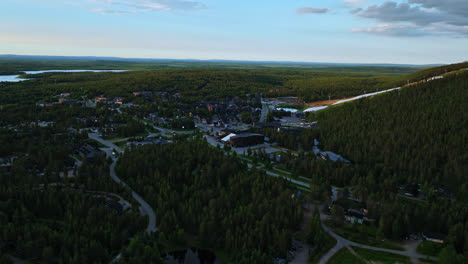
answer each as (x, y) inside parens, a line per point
(302, 255)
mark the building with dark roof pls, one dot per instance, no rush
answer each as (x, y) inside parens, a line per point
(246, 140)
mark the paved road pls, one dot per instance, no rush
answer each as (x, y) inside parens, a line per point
(303, 184)
(342, 242)
(264, 113)
(95, 136)
(144, 206)
(261, 166)
(169, 132)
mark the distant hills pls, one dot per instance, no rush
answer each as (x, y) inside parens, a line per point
(291, 63)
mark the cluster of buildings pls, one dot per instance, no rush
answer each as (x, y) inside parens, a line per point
(103, 99)
(222, 114)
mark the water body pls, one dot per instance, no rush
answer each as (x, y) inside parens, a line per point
(15, 78)
(292, 110)
(192, 256)
(11, 78)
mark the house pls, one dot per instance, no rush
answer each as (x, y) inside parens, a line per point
(434, 237)
(227, 138)
(276, 89)
(142, 93)
(67, 101)
(88, 151)
(118, 100)
(101, 99)
(225, 132)
(353, 215)
(246, 140)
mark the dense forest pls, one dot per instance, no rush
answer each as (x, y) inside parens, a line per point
(211, 200)
(416, 135)
(212, 84)
(419, 132)
(52, 219)
(413, 138)
(197, 84)
(17, 64)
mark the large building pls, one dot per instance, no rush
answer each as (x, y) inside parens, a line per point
(246, 140)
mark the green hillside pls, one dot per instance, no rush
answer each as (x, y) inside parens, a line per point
(418, 133)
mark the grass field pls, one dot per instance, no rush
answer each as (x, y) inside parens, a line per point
(353, 233)
(344, 256)
(430, 248)
(381, 257)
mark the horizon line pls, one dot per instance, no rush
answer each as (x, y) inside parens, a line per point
(227, 60)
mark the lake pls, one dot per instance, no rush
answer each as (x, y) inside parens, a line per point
(292, 110)
(14, 78)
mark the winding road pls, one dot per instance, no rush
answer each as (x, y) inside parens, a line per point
(145, 208)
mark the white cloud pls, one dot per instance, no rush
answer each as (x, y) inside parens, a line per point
(391, 30)
(311, 10)
(138, 6)
(354, 2)
(417, 17)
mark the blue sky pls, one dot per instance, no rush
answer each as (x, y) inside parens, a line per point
(347, 31)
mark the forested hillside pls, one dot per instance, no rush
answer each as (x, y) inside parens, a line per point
(413, 137)
(418, 133)
(203, 197)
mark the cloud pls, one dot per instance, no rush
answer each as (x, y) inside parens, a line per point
(112, 12)
(354, 2)
(418, 17)
(139, 6)
(391, 30)
(394, 12)
(453, 7)
(311, 10)
(356, 10)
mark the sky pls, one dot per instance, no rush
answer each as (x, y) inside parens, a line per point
(336, 31)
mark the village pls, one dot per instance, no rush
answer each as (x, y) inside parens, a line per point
(236, 125)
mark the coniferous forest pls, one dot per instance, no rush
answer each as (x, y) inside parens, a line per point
(210, 199)
(59, 204)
